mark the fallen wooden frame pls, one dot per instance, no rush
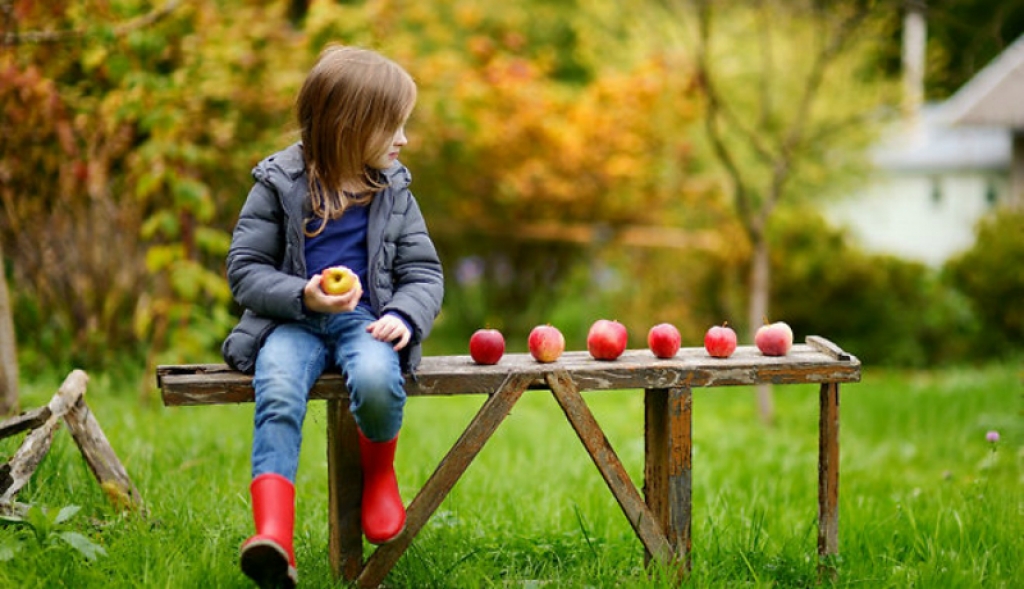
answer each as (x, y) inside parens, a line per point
(661, 518)
(67, 406)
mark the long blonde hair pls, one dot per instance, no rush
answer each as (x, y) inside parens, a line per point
(350, 106)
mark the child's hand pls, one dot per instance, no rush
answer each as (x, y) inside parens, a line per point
(390, 328)
(317, 300)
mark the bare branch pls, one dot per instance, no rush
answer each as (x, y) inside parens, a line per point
(46, 37)
(712, 111)
(783, 166)
(751, 135)
(767, 65)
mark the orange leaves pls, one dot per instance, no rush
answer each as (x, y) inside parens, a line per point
(548, 150)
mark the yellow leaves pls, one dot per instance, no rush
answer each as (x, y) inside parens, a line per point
(552, 150)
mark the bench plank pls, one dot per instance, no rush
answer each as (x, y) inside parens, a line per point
(816, 362)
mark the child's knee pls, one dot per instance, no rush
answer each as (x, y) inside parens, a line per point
(379, 401)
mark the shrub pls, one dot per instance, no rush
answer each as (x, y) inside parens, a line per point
(991, 277)
(883, 309)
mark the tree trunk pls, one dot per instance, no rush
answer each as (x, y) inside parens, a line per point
(8, 348)
(757, 311)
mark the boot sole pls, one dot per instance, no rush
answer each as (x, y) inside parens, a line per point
(266, 563)
(377, 542)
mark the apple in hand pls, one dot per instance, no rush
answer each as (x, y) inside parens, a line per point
(664, 340)
(337, 280)
(720, 341)
(774, 339)
(486, 346)
(546, 343)
(606, 339)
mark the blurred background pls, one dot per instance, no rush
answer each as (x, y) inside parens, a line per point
(854, 168)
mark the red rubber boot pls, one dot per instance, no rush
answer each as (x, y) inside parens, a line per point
(268, 557)
(382, 510)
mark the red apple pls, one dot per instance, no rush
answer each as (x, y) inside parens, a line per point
(546, 343)
(486, 346)
(606, 339)
(720, 341)
(774, 339)
(663, 339)
(337, 280)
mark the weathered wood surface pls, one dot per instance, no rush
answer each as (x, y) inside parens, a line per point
(668, 478)
(452, 466)
(637, 512)
(817, 361)
(18, 470)
(100, 456)
(344, 492)
(24, 422)
(828, 477)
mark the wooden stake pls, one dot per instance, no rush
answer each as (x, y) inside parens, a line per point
(100, 457)
(16, 473)
(67, 405)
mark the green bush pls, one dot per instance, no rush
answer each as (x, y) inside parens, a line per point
(991, 276)
(883, 309)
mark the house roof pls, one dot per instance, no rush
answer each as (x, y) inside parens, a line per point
(929, 143)
(995, 95)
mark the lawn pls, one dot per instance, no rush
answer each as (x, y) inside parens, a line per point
(925, 499)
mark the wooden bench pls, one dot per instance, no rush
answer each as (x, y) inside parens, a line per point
(661, 518)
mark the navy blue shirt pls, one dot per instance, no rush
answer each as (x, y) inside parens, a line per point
(341, 243)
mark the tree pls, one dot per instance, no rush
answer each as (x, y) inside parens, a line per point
(779, 121)
(8, 347)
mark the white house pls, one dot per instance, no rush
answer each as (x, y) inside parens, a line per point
(943, 168)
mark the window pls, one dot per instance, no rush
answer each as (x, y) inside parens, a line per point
(936, 191)
(991, 193)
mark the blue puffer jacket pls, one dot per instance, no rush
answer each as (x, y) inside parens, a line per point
(266, 265)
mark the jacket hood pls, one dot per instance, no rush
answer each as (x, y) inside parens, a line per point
(283, 168)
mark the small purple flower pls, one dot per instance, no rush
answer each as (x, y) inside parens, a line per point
(992, 436)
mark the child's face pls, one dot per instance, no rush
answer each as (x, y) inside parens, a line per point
(386, 157)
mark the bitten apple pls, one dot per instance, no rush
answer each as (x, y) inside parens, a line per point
(664, 340)
(486, 346)
(720, 341)
(607, 339)
(546, 343)
(337, 280)
(774, 339)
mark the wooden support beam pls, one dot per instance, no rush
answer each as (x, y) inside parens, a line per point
(480, 429)
(18, 470)
(345, 482)
(100, 456)
(828, 479)
(644, 523)
(24, 422)
(668, 456)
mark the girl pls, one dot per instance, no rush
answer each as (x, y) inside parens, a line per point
(339, 197)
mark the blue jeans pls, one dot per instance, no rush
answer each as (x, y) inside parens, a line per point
(291, 360)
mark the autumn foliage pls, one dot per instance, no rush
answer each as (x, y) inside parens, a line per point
(129, 131)
(558, 151)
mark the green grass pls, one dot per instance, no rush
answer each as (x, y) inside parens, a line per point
(925, 501)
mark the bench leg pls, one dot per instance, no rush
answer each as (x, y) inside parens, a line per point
(345, 481)
(432, 494)
(668, 479)
(640, 516)
(828, 480)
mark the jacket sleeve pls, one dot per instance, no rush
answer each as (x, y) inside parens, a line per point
(417, 273)
(255, 259)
